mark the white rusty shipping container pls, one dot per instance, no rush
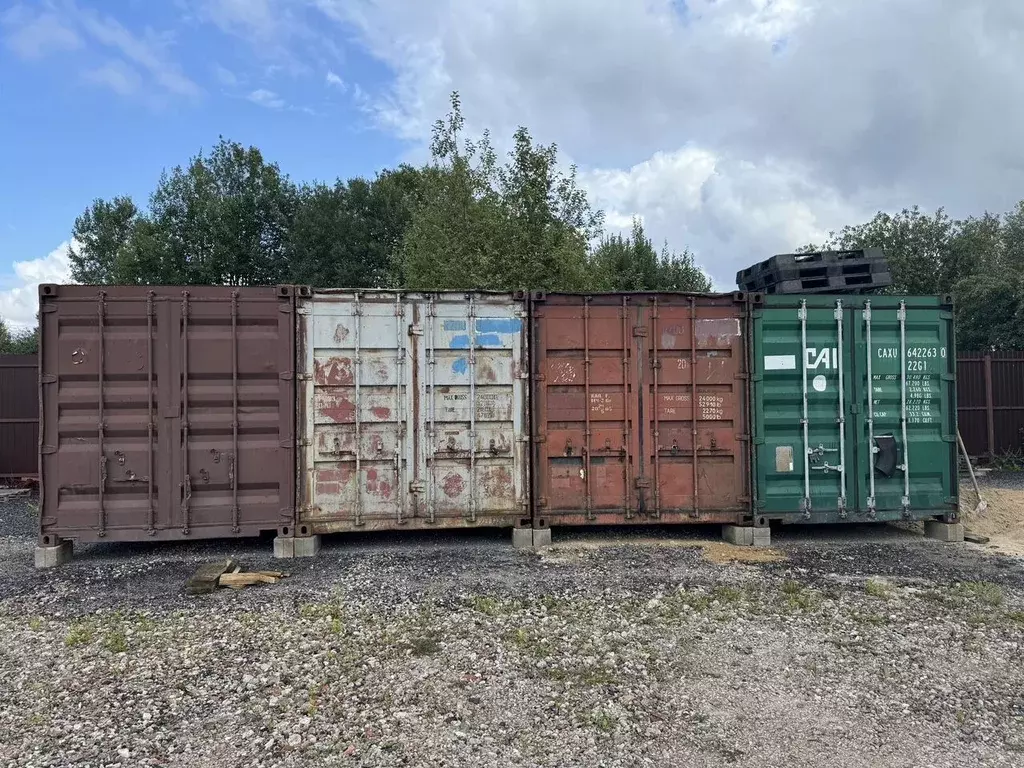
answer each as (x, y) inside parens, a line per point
(414, 410)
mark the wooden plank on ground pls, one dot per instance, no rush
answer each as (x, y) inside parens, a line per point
(204, 580)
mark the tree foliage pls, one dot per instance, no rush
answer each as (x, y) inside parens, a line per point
(978, 260)
(630, 263)
(18, 342)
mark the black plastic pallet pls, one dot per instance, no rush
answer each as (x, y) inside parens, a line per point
(835, 284)
(849, 273)
(788, 266)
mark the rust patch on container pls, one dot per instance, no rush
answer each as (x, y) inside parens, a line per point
(453, 485)
(338, 408)
(333, 372)
(381, 413)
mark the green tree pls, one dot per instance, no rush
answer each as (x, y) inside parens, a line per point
(631, 264)
(521, 224)
(104, 239)
(350, 234)
(18, 342)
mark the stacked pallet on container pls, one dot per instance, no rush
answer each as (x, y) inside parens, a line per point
(167, 413)
(853, 271)
(640, 409)
(854, 401)
(413, 411)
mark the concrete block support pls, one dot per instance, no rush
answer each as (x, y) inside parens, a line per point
(531, 538)
(299, 546)
(522, 538)
(762, 537)
(51, 557)
(950, 532)
(740, 535)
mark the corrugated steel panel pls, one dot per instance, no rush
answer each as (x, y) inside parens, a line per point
(414, 411)
(874, 437)
(19, 416)
(990, 402)
(167, 412)
(640, 408)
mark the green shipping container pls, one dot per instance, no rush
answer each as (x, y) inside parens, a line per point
(842, 387)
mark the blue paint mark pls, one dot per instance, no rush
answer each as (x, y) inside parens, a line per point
(454, 325)
(499, 325)
(483, 341)
(460, 366)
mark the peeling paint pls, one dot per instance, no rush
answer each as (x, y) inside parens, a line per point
(333, 372)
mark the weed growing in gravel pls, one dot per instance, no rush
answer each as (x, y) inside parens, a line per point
(603, 721)
(424, 645)
(115, 641)
(519, 638)
(878, 588)
(727, 594)
(488, 606)
(983, 591)
(799, 598)
(35, 623)
(790, 587)
(79, 634)
(1015, 616)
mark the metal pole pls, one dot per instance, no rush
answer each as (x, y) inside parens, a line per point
(357, 312)
(871, 413)
(806, 504)
(841, 419)
(472, 409)
(903, 406)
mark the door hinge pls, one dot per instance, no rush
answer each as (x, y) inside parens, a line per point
(415, 330)
(639, 330)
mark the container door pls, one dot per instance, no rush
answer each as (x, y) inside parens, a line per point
(586, 407)
(905, 426)
(358, 461)
(695, 409)
(804, 447)
(471, 410)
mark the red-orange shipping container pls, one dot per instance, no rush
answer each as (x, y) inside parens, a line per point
(640, 409)
(166, 412)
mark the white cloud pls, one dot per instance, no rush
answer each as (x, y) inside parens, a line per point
(35, 35)
(66, 26)
(738, 128)
(267, 99)
(117, 76)
(19, 297)
(225, 76)
(335, 81)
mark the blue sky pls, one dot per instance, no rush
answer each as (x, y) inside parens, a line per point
(85, 115)
(733, 128)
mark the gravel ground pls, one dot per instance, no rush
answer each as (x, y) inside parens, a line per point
(858, 646)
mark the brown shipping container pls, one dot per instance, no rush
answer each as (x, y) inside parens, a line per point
(167, 412)
(617, 437)
(19, 416)
(413, 411)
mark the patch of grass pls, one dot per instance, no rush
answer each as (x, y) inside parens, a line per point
(598, 676)
(1015, 616)
(37, 719)
(488, 606)
(320, 611)
(878, 588)
(799, 598)
(982, 591)
(726, 594)
(519, 637)
(875, 619)
(35, 623)
(424, 645)
(115, 641)
(314, 701)
(603, 721)
(79, 634)
(790, 587)
(336, 626)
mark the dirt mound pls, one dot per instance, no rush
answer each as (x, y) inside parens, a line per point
(1002, 522)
